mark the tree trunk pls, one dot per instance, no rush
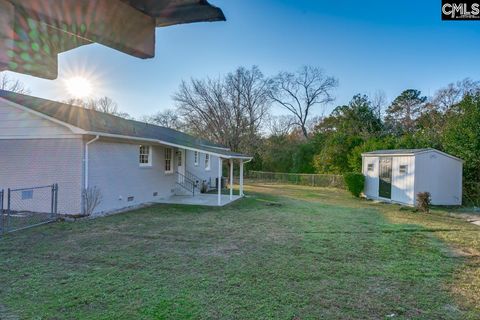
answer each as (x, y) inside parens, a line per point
(304, 130)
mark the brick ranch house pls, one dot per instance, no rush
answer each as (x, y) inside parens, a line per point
(131, 163)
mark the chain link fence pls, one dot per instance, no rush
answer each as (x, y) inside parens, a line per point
(28, 207)
(471, 194)
(314, 180)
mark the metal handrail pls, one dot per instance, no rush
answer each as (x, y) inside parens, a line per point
(193, 177)
(185, 183)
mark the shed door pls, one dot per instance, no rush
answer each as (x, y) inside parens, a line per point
(385, 178)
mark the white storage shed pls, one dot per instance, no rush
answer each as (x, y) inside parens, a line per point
(399, 175)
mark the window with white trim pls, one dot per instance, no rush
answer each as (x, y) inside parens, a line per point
(370, 167)
(207, 161)
(145, 156)
(195, 157)
(403, 169)
(168, 160)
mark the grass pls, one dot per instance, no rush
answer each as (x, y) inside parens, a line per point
(285, 252)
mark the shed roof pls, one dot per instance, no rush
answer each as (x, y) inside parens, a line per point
(95, 122)
(398, 151)
(405, 152)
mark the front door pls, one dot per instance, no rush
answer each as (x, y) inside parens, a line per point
(385, 178)
(181, 165)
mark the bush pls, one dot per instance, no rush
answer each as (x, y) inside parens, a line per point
(354, 183)
(423, 201)
(92, 197)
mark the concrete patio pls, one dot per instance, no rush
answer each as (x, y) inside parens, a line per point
(201, 200)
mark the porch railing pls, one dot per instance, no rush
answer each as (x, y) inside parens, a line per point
(185, 183)
(193, 178)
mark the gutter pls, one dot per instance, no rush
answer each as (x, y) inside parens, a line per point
(110, 135)
(86, 159)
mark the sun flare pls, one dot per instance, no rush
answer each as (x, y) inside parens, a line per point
(79, 87)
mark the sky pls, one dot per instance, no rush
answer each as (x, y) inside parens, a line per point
(367, 45)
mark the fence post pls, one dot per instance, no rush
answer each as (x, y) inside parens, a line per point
(56, 199)
(1, 212)
(52, 201)
(7, 223)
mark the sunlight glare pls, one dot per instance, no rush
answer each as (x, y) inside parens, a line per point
(79, 87)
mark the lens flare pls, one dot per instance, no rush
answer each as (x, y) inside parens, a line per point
(79, 87)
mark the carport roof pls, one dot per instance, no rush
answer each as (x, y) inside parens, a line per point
(104, 124)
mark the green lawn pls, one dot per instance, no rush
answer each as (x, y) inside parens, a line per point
(285, 252)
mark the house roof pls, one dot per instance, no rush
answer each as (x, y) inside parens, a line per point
(405, 152)
(100, 123)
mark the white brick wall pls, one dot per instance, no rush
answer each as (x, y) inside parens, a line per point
(37, 162)
(114, 168)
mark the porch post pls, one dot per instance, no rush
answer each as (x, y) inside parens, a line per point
(219, 183)
(241, 178)
(231, 179)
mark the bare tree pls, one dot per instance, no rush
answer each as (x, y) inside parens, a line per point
(228, 110)
(9, 84)
(281, 125)
(379, 103)
(105, 105)
(301, 91)
(451, 95)
(168, 118)
(247, 91)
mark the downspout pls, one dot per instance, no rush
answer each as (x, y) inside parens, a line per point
(86, 159)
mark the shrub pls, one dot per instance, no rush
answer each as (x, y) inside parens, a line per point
(354, 182)
(92, 197)
(423, 201)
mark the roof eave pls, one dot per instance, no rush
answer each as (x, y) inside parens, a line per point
(175, 145)
(388, 154)
(411, 154)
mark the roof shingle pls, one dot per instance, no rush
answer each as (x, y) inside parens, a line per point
(100, 122)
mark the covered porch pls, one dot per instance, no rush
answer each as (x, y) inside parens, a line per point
(223, 185)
